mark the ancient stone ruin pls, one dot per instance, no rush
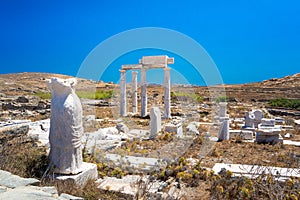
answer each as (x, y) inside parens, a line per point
(268, 132)
(146, 63)
(65, 136)
(65, 127)
(224, 122)
(155, 121)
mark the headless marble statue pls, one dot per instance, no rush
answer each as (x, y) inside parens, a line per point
(65, 127)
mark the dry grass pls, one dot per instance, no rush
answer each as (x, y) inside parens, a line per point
(250, 153)
(22, 157)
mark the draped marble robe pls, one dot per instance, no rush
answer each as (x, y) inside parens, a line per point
(65, 127)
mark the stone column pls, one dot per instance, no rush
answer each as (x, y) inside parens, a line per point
(143, 93)
(224, 129)
(123, 110)
(155, 121)
(222, 109)
(134, 92)
(167, 95)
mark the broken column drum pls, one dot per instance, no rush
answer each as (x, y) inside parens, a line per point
(65, 127)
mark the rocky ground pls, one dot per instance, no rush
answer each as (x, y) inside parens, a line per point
(25, 96)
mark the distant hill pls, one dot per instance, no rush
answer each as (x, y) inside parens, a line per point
(285, 87)
(30, 83)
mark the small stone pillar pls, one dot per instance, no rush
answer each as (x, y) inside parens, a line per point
(224, 129)
(155, 121)
(222, 109)
(258, 116)
(134, 92)
(143, 93)
(123, 110)
(249, 120)
(167, 94)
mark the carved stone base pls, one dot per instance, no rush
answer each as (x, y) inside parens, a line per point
(67, 183)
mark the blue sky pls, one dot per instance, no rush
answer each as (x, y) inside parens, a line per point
(249, 41)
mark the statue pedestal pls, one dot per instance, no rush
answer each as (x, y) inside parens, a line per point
(66, 183)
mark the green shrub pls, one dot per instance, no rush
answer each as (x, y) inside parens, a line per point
(222, 99)
(182, 96)
(285, 103)
(99, 94)
(43, 95)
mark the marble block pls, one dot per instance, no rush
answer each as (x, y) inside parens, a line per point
(67, 183)
(155, 121)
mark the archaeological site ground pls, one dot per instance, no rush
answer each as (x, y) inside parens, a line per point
(148, 141)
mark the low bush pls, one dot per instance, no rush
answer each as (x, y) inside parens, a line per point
(99, 94)
(285, 103)
(181, 96)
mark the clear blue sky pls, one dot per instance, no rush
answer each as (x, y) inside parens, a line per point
(249, 40)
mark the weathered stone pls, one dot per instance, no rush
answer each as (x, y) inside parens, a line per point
(28, 193)
(65, 196)
(156, 60)
(253, 171)
(134, 93)
(35, 193)
(279, 120)
(66, 183)
(224, 129)
(90, 118)
(3, 189)
(191, 128)
(140, 163)
(222, 109)
(267, 122)
(287, 128)
(22, 99)
(122, 128)
(123, 110)
(144, 98)
(167, 93)
(243, 134)
(138, 133)
(268, 136)
(258, 116)
(39, 130)
(290, 142)
(12, 181)
(147, 62)
(65, 127)
(127, 185)
(249, 120)
(155, 121)
(174, 128)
